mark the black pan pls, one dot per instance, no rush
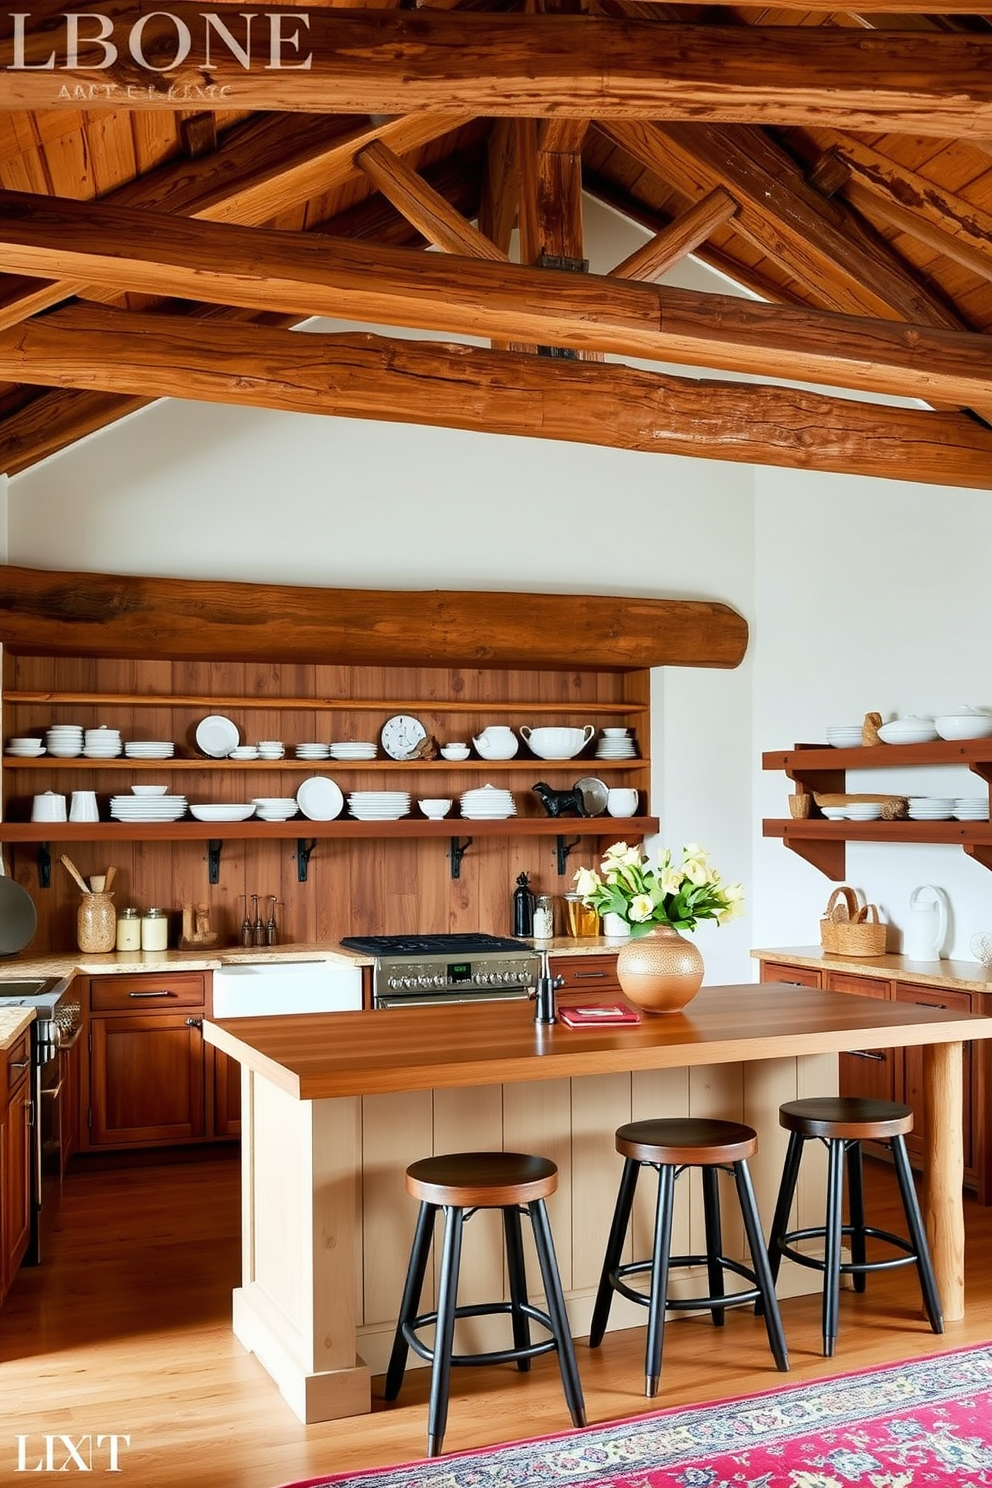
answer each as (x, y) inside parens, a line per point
(18, 917)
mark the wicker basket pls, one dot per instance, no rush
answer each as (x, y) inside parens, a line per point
(850, 929)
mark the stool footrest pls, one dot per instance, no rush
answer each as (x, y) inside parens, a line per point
(785, 1246)
(491, 1356)
(687, 1304)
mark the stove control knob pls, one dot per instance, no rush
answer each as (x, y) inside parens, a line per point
(392, 983)
(439, 981)
(425, 981)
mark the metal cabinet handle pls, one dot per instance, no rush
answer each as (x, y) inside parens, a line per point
(53, 1090)
(166, 992)
(942, 1006)
(589, 976)
(866, 1054)
(194, 1022)
(13, 1064)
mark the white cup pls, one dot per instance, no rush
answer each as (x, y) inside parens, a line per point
(49, 807)
(614, 733)
(83, 807)
(622, 801)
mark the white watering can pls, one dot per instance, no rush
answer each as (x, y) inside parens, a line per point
(926, 928)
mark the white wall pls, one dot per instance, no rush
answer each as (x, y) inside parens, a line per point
(851, 602)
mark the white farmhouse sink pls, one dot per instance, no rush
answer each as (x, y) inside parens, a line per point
(258, 989)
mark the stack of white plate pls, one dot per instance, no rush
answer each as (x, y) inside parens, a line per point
(149, 749)
(275, 808)
(379, 805)
(351, 751)
(908, 731)
(147, 808)
(615, 746)
(223, 811)
(971, 808)
(25, 748)
(313, 751)
(844, 735)
(102, 743)
(931, 808)
(271, 749)
(244, 752)
(863, 810)
(488, 803)
(64, 740)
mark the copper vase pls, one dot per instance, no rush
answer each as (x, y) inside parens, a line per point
(661, 971)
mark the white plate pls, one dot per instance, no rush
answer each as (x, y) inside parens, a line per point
(223, 812)
(320, 798)
(923, 733)
(217, 736)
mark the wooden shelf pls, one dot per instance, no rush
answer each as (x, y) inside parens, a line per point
(450, 826)
(809, 759)
(530, 765)
(317, 704)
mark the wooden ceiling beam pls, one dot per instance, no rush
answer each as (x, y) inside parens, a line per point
(530, 65)
(681, 237)
(878, 205)
(500, 185)
(786, 218)
(425, 208)
(297, 273)
(365, 376)
(261, 170)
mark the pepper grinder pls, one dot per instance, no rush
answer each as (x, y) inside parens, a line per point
(257, 926)
(245, 924)
(544, 992)
(270, 929)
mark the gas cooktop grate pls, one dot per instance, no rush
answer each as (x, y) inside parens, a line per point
(431, 945)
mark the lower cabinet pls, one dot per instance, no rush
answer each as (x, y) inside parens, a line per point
(151, 1076)
(897, 1074)
(226, 1094)
(15, 1162)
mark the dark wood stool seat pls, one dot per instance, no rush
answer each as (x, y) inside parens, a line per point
(459, 1184)
(842, 1123)
(671, 1146)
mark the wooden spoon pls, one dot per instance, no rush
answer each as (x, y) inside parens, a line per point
(109, 878)
(71, 868)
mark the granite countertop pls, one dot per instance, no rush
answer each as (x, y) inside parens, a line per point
(13, 1021)
(968, 976)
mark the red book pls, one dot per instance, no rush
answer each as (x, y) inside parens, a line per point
(592, 1014)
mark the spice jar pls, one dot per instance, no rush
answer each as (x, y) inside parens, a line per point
(96, 923)
(129, 930)
(544, 918)
(154, 930)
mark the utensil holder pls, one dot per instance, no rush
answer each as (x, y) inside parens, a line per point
(96, 923)
(800, 805)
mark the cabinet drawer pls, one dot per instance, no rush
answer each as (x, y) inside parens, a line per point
(586, 973)
(801, 976)
(861, 986)
(148, 992)
(18, 1061)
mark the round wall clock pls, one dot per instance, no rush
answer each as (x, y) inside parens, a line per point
(401, 734)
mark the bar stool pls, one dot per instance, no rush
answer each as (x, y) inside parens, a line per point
(842, 1123)
(672, 1146)
(461, 1183)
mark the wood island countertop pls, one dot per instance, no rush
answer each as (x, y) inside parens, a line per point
(471, 1044)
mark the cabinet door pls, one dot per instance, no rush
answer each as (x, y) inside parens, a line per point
(147, 1079)
(912, 1068)
(800, 976)
(227, 1095)
(865, 1072)
(15, 1188)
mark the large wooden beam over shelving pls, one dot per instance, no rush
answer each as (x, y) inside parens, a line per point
(90, 614)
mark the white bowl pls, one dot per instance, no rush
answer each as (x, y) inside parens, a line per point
(834, 813)
(964, 725)
(149, 790)
(553, 743)
(455, 751)
(863, 810)
(223, 812)
(908, 731)
(435, 808)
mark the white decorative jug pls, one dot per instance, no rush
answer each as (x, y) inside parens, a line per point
(496, 742)
(926, 928)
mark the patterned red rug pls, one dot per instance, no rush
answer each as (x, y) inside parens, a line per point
(927, 1422)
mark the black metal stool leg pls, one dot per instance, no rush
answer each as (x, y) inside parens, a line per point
(660, 1256)
(714, 1241)
(832, 1238)
(760, 1265)
(412, 1289)
(614, 1250)
(856, 1211)
(917, 1234)
(518, 1282)
(567, 1366)
(783, 1204)
(444, 1329)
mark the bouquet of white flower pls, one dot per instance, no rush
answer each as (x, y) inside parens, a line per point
(667, 893)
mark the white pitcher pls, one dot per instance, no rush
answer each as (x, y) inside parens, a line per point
(926, 928)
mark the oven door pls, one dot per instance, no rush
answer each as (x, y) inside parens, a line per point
(436, 999)
(49, 1147)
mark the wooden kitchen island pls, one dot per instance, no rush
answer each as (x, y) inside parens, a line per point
(336, 1106)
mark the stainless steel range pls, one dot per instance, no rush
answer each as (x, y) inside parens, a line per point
(57, 1027)
(413, 969)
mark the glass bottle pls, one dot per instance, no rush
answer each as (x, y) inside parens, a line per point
(544, 918)
(129, 930)
(154, 930)
(96, 923)
(524, 904)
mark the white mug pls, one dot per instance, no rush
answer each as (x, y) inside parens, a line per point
(622, 801)
(83, 806)
(49, 807)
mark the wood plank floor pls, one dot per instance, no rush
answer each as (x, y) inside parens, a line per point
(126, 1329)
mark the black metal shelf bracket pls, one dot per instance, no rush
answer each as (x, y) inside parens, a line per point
(44, 866)
(563, 850)
(456, 852)
(304, 847)
(214, 847)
